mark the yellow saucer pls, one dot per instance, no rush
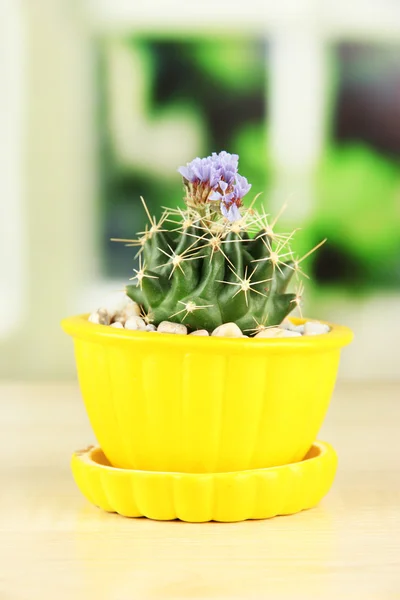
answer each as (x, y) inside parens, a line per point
(197, 498)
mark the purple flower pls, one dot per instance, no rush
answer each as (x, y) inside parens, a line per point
(232, 212)
(201, 170)
(221, 195)
(227, 164)
(222, 166)
(215, 179)
(241, 187)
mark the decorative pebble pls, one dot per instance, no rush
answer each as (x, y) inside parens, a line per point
(200, 332)
(227, 330)
(119, 311)
(119, 319)
(116, 308)
(116, 302)
(315, 328)
(270, 332)
(100, 317)
(168, 327)
(135, 324)
(287, 333)
(288, 325)
(130, 310)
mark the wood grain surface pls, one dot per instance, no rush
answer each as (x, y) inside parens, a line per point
(55, 545)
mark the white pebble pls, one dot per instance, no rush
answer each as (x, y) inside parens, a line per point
(287, 333)
(117, 325)
(135, 324)
(200, 332)
(119, 319)
(277, 332)
(227, 330)
(130, 310)
(116, 303)
(168, 327)
(288, 325)
(312, 328)
(151, 327)
(270, 332)
(100, 317)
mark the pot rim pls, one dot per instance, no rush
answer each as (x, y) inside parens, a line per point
(79, 327)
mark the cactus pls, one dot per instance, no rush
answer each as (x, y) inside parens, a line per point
(217, 261)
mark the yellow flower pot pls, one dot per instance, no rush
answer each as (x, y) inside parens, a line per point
(161, 402)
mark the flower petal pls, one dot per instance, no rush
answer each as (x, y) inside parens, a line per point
(224, 209)
(234, 213)
(185, 172)
(214, 196)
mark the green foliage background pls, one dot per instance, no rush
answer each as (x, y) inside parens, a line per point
(225, 82)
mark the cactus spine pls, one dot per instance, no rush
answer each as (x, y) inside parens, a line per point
(215, 261)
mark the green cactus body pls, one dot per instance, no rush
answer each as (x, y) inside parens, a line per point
(214, 282)
(218, 264)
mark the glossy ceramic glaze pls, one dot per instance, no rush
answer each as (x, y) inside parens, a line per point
(235, 496)
(203, 404)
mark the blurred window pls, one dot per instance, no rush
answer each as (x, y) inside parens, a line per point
(164, 102)
(358, 182)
